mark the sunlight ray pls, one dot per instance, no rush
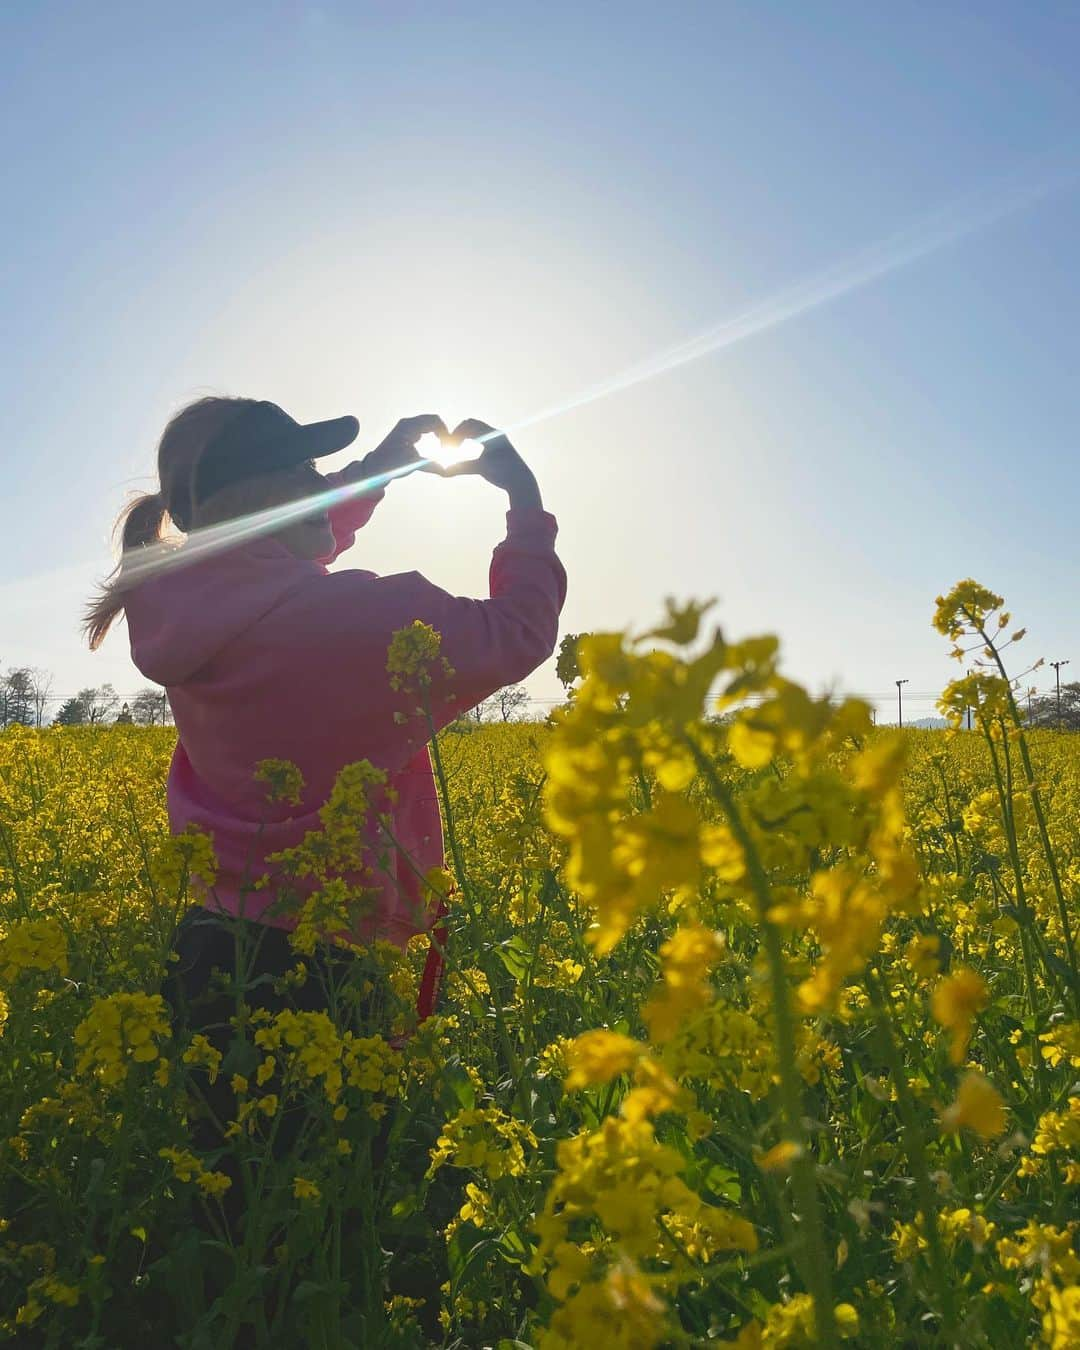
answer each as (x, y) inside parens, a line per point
(900, 249)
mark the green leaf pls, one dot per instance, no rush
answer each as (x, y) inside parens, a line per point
(516, 955)
(241, 1057)
(405, 1206)
(460, 1084)
(464, 1249)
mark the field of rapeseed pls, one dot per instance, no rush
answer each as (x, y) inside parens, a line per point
(760, 1026)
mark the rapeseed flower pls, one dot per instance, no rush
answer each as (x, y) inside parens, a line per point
(955, 1001)
(978, 1106)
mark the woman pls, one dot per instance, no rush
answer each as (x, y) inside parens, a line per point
(267, 655)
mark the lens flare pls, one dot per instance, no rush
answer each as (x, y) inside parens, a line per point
(975, 212)
(947, 225)
(140, 564)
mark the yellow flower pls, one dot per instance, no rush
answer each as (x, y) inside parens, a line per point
(922, 955)
(119, 1028)
(780, 1157)
(32, 944)
(1061, 1321)
(599, 1056)
(1061, 1045)
(978, 1105)
(412, 656)
(955, 1001)
(685, 960)
(486, 1139)
(213, 1183)
(305, 1190)
(201, 1052)
(286, 782)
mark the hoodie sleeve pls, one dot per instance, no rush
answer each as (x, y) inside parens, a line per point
(488, 643)
(348, 516)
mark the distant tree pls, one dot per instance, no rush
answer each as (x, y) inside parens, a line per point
(17, 699)
(567, 669)
(483, 712)
(150, 706)
(72, 714)
(501, 706)
(41, 691)
(1043, 710)
(124, 717)
(99, 703)
(510, 701)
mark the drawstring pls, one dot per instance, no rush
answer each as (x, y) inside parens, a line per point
(433, 968)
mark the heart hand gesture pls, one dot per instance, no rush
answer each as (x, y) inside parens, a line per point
(398, 450)
(498, 462)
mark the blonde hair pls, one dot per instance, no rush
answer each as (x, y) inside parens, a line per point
(143, 520)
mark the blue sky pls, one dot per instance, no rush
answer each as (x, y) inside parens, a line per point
(480, 210)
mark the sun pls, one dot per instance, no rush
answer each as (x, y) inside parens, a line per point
(431, 447)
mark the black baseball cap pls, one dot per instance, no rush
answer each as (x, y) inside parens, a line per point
(261, 438)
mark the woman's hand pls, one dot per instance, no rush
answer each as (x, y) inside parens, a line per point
(499, 463)
(398, 450)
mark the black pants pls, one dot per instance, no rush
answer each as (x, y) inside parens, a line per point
(204, 942)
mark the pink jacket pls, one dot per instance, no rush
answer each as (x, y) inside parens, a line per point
(267, 656)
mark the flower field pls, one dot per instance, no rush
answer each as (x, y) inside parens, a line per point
(760, 1026)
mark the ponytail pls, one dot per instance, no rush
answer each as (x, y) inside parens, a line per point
(140, 523)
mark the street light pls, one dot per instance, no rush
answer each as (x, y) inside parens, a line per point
(900, 700)
(1057, 672)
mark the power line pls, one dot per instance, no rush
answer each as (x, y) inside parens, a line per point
(877, 696)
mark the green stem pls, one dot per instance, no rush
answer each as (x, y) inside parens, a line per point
(913, 1142)
(816, 1264)
(513, 1063)
(1040, 817)
(1027, 918)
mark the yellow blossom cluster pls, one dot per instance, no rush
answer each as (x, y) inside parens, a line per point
(117, 1030)
(32, 944)
(187, 1167)
(484, 1139)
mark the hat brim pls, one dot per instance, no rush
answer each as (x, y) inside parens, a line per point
(316, 439)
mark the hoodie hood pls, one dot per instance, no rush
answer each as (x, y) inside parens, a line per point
(179, 621)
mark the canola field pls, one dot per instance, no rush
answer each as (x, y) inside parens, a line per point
(760, 1027)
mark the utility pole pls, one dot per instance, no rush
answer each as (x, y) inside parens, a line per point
(1057, 672)
(900, 700)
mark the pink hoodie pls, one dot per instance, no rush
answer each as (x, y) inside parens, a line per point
(265, 655)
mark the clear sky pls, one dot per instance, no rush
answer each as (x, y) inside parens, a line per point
(482, 209)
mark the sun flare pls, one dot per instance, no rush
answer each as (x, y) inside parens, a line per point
(431, 447)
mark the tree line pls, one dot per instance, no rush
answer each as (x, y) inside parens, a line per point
(26, 699)
(1045, 710)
